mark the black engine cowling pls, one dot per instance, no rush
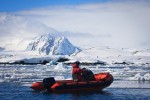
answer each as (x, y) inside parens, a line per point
(48, 82)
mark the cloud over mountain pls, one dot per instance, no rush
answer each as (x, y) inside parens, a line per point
(116, 24)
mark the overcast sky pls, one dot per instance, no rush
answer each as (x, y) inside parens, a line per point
(114, 23)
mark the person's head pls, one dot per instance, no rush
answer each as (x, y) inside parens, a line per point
(76, 64)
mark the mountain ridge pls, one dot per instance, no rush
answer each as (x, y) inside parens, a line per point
(52, 45)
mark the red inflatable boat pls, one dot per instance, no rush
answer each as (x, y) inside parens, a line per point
(102, 80)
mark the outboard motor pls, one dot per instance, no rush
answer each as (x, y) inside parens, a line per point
(48, 82)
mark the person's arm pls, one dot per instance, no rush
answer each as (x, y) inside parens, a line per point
(79, 70)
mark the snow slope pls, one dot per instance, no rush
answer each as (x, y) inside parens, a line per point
(112, 56)
(90, 55)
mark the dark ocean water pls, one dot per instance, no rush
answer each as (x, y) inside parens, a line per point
(15, 82)
(13, 91)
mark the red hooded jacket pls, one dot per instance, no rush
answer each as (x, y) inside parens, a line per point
(76, 70)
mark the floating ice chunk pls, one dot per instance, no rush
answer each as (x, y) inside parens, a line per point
(52, 63)
(127, 68)
(59, 77)
(61, 67)
(115, 72)
(147, 76)
(139, 77)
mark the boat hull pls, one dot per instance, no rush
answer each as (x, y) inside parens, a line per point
(102, 80)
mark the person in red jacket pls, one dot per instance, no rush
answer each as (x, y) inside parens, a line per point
(76, 71)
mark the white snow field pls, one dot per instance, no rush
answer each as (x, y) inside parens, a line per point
(102, 54)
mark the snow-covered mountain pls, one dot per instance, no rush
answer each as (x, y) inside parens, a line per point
(52, 45)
